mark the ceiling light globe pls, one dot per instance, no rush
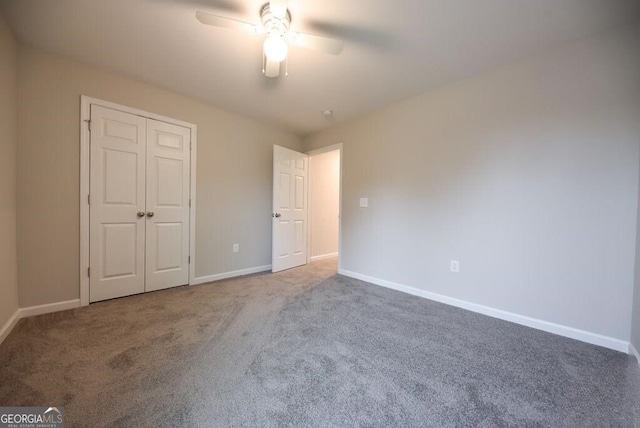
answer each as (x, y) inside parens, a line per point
(275, 48)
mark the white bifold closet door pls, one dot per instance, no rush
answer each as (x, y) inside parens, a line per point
(139, 204)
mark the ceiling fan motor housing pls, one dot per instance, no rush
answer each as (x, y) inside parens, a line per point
(274, 25)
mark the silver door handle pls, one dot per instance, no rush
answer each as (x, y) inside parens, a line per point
(150, 214)
(276, 215)
(140, 213)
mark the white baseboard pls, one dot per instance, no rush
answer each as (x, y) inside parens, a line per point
(633, 351)
(71, 304)
(36, 310)
(323, 256)
(232, 274)
(8, 326)
(573, 333)
(48, 308)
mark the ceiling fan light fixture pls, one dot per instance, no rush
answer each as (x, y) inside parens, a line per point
(275, 48)
(275, 19)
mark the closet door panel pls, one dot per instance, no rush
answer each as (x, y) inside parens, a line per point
(117, 197)
(167, 200)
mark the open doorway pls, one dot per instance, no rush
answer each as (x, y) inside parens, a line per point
(324, 203)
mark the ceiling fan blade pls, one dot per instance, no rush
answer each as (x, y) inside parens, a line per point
(272, 68)
(278, 8)
(221, 21)
(218, 5)
(353, 33)
(319, 43)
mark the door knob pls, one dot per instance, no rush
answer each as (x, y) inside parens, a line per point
(140, 213)
(150, 214)
(276, 215)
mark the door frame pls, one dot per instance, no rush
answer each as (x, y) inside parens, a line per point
(85, 171)
(312, 153)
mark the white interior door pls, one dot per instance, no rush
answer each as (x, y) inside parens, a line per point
(167, 221)
(290, 177)
(117, 204)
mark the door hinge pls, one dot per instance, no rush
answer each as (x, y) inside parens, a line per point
(88, 124)
(189, 203)
(89, 199)
(189, 259)
(189, 145)
(89, 272)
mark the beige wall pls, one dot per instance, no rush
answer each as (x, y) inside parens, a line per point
(528, 175)
(234, 173)
(324, 183)
(8, 143)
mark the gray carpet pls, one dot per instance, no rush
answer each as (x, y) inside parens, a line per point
(308, 347)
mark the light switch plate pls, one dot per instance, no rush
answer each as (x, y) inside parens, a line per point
(364, 202)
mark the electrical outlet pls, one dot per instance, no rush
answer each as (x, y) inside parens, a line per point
(454, 266)
(364, 202)
(236, 248)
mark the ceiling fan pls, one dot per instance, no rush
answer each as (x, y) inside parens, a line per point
(275, 20)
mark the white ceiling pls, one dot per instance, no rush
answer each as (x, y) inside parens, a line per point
(394, 49)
